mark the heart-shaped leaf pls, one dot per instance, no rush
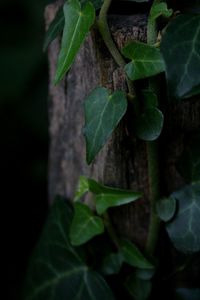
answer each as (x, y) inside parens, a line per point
(180, 44)
(166, 208)
(85, 225)
(57, 270)
(160, 9)
(146, 60)
(184, 228)
(78, 21)
(149, 124)
(104, 201)
(133, 256)
(82, 188)
(102, 114)
(139, 289)
(55, 28)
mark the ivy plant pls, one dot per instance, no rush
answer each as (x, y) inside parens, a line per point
(61, 267)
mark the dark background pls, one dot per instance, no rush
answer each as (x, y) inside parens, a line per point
(23, 135)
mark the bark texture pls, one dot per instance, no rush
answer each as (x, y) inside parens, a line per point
(122, 162)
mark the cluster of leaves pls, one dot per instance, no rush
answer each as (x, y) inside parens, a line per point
(60, 264)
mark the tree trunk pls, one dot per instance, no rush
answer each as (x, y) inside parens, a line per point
(123, 161)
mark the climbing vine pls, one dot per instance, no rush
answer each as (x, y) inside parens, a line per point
(65, 265)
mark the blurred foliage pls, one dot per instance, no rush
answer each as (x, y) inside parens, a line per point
(23, 132)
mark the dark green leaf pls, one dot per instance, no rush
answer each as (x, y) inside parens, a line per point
(85, 225)
(133, 256)
(139, 289)
(183, 230)
(187, 294)
(102, 114)
(57, 271)
(150, 99)
(166, 208)
(112, 264)
(77, 24)
(55, 28)
(145, 274)
(104, 201)
(160, 9)
(146, 60)
(181, 52)
(189, 162)
(149, 124)
(97, 3)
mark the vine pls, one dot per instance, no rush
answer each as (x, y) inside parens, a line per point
(73, 229)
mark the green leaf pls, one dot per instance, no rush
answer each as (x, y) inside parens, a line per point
(145, 274)
(189, 162)
(83, 187)
(103, 112)
(78, 21)
(139, 289)
(146, 60)
(166, 208)
(57, 270)
(160, 9)
(182, 71)
(107, 200)
(183, 230)
(133, 256)
(97, 3)
(84, 225)
(55, 28)
(187, 294)
(150, 99)
(149, 124)
(112, 264)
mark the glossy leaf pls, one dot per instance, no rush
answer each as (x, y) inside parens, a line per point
(103, 112)
(181, 52)
(55, 28)
(78, 21)
(149, 124)
(146, 60)
(189, 162)
(160, 9)
(106, 200)
(85, 225)
(166, 208)
(183, 230)
(57, 270)
(139, 289)
(112, 264)
(133, 256)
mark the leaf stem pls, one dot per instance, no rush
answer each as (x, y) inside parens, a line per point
(108, 40)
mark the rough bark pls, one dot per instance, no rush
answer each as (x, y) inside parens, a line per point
(122, 162)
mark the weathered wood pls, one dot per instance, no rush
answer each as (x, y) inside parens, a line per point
(122, 162)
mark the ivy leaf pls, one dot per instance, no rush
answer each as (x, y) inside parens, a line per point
(83, 187)
(146, 60)
(55, 28)
(166, 208)
(149, 124)
(180, 44)
(85, 225)
(102, 114)
(112, 263)
(189, 162)
(160, 9)
(97, 3)
(57, 270)
(78, 21)
(139, 289)
(150, 99)
(133, 256)
(106, 200)
(183, 230)
(145, 274)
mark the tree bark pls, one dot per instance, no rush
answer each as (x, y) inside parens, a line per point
(123, 161)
